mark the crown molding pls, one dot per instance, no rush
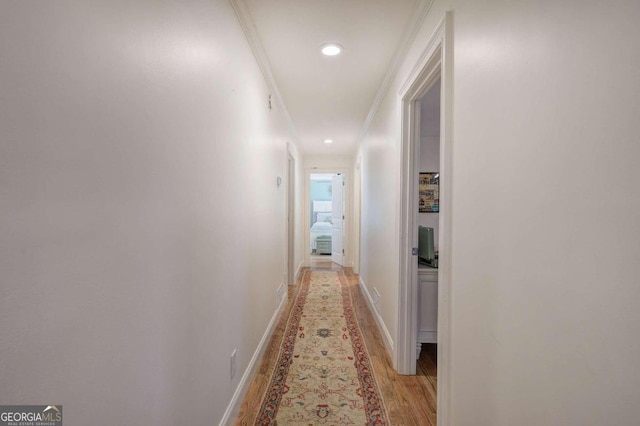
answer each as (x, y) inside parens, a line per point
(418, 16)
(255, 43)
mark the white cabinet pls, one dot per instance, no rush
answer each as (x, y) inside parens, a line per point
(428, 306)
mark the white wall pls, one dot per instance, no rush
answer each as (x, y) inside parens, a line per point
(380, 206)
(546, 204)
(318, 163)
(134, 143)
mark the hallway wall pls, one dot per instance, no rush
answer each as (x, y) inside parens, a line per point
(546, 207)
(142, 234)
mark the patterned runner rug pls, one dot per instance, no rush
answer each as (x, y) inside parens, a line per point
(323, 374)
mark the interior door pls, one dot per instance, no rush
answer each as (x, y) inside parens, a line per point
(337, 218)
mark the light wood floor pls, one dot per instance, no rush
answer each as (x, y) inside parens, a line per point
(410, 400)
(322, 261)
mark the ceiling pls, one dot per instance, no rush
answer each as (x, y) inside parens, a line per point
(328, 97)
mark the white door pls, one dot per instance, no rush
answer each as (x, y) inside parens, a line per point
(337, 217)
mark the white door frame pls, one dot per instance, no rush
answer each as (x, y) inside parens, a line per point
(435, 61)
(357, 200)
(291, 191)
(306, 225)
(338, 200)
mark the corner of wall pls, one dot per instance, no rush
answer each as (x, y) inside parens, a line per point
(247, 378)
(386, 336)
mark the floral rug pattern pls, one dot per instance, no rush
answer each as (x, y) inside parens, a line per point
(323, 374)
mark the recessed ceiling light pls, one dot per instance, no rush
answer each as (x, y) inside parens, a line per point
(328, 141)
(331, 49)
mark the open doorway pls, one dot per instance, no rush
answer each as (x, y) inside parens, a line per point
(428, 223)
(326, 219)
(429, 285)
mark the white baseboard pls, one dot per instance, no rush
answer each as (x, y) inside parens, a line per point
(388, 341)
(233, 408)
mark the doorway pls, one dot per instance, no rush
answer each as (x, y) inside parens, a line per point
(326, 219)
(427, 155)
(432, 69)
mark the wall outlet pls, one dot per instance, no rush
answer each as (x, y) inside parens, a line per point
(234, 364)
(376, 299)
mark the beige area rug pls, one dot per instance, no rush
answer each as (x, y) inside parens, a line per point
(323, 374)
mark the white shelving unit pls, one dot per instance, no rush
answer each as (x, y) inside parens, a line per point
(428, 307)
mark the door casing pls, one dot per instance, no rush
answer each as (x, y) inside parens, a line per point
(435, 61)
(346, 172)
